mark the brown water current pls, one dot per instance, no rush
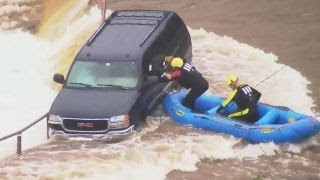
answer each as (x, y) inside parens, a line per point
(162, 149)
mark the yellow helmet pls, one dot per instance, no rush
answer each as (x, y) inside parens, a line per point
(177, 62)
(231, 78)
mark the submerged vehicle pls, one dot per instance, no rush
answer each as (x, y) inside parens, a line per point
(113, 82)
(275, 124)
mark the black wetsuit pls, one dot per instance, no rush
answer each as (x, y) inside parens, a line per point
(188, 77)
(246, 98)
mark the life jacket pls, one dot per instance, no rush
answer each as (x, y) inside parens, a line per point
(246, 96)
(190, 77)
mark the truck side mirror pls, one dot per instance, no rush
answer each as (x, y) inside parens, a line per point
(58, 78)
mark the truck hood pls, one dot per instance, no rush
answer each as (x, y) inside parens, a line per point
(93, 103)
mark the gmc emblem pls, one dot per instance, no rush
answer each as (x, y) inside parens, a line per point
(85, 125)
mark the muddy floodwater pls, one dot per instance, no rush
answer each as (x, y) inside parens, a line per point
(39, 38)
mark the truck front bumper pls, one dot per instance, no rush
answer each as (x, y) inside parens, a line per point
(109, 136)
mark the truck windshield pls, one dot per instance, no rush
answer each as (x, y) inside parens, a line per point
(114, 74)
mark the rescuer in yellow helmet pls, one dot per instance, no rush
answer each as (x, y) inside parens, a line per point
(246, 98)
(188, 77)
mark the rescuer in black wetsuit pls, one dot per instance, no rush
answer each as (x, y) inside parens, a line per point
(246, 98)
(188, 77)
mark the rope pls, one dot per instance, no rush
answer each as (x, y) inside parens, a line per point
(272, 74)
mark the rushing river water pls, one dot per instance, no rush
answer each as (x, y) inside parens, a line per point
(159, 149)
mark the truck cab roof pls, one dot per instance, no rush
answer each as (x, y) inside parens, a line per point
(127, 31)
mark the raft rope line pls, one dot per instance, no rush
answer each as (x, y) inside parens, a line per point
(272, 74)
(262, 81)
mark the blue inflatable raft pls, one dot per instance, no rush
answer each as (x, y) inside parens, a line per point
(277, 124)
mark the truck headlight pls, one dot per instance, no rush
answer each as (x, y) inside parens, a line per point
(121, 121)
(54, 119)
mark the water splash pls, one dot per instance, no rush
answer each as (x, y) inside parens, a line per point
(161, 145)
